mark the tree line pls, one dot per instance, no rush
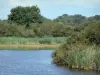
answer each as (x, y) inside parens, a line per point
(28, 22)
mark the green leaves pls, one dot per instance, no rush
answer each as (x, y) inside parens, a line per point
(92, 32)
(25, 15)
(71, 19)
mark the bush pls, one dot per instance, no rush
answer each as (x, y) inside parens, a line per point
(92, 32)
(7, 29)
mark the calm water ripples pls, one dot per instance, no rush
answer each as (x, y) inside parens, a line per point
(36, 62)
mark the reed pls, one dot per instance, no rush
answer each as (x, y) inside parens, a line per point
(35, 40)
(82, 57)
(30, 43)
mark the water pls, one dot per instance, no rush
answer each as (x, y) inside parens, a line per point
(36, 62)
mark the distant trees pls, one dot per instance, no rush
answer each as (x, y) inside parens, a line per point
(25, 15)
(71, 19)
(28, 22)
(78, 19)
(94, 18)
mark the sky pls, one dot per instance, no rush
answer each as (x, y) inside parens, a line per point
(54, 8)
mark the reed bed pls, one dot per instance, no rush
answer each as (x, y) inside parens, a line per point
(35, 40)
(82, 57)
(30, 43)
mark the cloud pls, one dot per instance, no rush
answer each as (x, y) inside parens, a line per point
(24, 2)
(85, 3)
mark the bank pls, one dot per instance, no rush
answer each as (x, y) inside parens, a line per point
(28, 46)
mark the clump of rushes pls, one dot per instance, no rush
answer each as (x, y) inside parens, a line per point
(80, 57)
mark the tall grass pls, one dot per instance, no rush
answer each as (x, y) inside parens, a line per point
(36, 40)
(79, 57)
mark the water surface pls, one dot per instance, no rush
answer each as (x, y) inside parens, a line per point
(36, 62)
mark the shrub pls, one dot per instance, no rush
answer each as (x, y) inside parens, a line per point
(92, 32)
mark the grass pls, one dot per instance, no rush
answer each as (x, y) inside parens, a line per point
(82, 57)
(30, 43)
(36, 40)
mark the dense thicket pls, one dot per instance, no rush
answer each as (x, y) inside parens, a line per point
(47, 28)
(92, 32)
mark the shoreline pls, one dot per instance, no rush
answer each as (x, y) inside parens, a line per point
(28, 46)
(77, 68)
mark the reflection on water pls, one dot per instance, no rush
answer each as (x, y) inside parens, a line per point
(36, 62)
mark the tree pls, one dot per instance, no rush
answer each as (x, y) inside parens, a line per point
(45, 28)
(71, 19)
(25, 15)
(94, 18)
(78, 19)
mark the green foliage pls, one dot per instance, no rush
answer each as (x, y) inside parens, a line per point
(92, 32)
(94, 18)
(78, 57)
(81, 48)
(58, 29)
(51, 28)
(7, 29)
(45, 28)
(25, 15)
(81, 58)
(71, 19)
(45, 41)
(97, 60)
(30, 26)
(30, 40)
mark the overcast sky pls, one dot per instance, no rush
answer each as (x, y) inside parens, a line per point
(53, 8)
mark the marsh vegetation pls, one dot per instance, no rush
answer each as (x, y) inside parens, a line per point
(81, 51)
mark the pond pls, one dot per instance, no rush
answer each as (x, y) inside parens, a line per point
(33, 62)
